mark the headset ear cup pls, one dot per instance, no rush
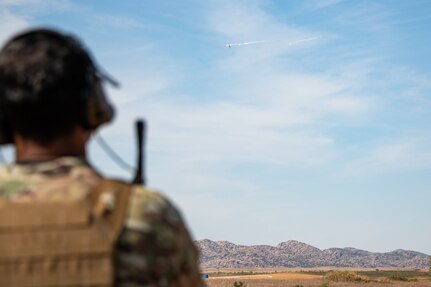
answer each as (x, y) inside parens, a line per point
(5, 129)
(98, 109)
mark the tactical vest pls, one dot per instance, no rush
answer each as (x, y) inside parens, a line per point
(62, 243)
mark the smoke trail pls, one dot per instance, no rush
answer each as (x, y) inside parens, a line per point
(230, 45)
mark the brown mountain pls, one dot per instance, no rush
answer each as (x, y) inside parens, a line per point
(224, 254)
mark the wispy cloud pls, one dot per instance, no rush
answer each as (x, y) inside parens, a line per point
(368, 16)
(268, 114)
(243, 22)
(393, 157)
(109, 21)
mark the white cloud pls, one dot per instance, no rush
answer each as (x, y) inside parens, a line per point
(267, 82)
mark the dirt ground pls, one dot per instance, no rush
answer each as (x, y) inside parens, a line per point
(300, 278)
(286, 275)
(216, 282)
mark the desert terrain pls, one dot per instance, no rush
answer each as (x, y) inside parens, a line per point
(317, 277)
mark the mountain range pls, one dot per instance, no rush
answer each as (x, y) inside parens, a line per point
(292, 253)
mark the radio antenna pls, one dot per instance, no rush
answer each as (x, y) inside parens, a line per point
(140, 164)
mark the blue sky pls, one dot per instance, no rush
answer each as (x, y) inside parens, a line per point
(325, 141)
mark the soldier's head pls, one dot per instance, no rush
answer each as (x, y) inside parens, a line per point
(49, 86)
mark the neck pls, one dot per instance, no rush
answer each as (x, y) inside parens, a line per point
(68, 145)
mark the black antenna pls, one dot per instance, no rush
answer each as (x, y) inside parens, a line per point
(140, 167)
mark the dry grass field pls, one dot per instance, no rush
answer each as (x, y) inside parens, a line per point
(285, 275)
(316, 278)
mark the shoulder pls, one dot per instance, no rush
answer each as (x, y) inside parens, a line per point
(60, 178)
(147, 206)
(155, 243)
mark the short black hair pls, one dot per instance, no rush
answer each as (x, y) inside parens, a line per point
(43, 76)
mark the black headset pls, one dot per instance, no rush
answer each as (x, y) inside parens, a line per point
(97, 109)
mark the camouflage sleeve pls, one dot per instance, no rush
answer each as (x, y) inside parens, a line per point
(155, 249)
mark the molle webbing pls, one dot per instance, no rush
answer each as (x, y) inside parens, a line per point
(67, 243)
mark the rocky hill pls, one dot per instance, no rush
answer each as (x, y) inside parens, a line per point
(223, 254)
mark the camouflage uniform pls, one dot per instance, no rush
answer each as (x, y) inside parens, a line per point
(154, 249)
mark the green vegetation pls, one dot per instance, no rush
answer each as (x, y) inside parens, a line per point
(238, 284)
(316, 272)
(345, 276)
(324, 285)
(409, 274)
(402, 278)
(398, 278)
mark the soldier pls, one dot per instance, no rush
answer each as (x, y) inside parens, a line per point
(51, 100)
